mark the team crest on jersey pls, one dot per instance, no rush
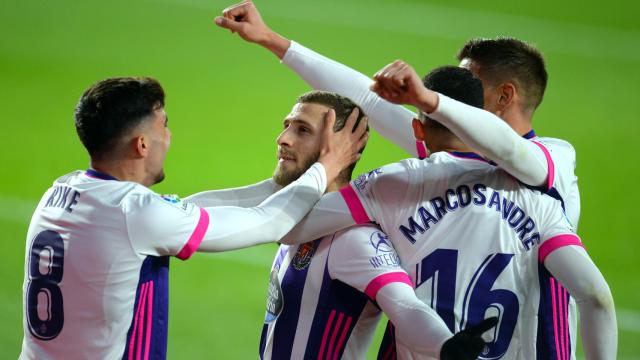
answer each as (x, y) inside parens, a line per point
(361, 181)
(303, 256)
(380, 242)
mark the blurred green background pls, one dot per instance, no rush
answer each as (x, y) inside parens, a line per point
(226, 100)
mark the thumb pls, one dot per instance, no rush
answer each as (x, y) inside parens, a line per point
(483, 326)
(227, 23)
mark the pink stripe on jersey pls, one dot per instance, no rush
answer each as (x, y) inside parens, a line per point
(142, 326)
(325, 335)
(136, 316)
(561, 306)
(557, 242)
(343, 336)
(334, 333)
(554, 306)
(381, 280)
(565, 308)
(196, 237)
(551, 168)
(149, 317)
(421, 149)
(355, 206)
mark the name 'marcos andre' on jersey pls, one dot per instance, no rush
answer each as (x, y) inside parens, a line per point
(473, 241)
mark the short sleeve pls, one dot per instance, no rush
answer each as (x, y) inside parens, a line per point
(556, 232)
(364, 258)
(161, 225)
(377, 193)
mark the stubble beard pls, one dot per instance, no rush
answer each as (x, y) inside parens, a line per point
(285, 177)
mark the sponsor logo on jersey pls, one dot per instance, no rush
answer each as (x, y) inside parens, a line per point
(385, 253)
(380, 242)
(361, 181)
(274, 297)
(303, 256)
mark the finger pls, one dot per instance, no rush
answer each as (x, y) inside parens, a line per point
(227, 23)
(329, 121)
(381, 72)
(362, 126)
(351, 120)
(237, 9)
(483, 326)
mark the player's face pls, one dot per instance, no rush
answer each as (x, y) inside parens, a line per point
(491, 93)
(300, 141)
(159, 141)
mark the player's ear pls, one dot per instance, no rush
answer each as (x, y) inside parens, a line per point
(418, 129)
(140, 145)
(507, 94)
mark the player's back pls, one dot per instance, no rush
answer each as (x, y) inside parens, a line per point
(562, 182)
(469, 236)
(82, 273)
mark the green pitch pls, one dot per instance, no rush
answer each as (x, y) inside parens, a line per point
(226, 100)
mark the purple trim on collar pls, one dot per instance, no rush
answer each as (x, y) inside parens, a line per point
(530, 135)
(467, 155)
(98, 175)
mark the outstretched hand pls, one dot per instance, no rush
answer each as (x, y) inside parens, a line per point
(342, 148)
(245, 20)
(468, 343)
(399, 83)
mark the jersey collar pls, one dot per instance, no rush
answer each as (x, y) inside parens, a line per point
(530, 135)
(467, 155)
(98, 175)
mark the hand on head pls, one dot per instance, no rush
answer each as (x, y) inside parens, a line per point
(341, 149)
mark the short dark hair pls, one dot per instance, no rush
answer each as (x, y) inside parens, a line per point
(507, 59)
(457, 83)
(112, 107)
(342, 106)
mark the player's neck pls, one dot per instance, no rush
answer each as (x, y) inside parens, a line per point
(123, 170)
(518, 121)
(336, 185)
(449, 144)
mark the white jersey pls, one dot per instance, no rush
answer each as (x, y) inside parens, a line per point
(321, 293)
(562, 183)
(96, 279)
(394, 123)
(473, 241)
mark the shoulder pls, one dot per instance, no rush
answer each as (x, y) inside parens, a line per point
(361, 237)
(556, 145)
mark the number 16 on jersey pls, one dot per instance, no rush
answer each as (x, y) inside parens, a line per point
(439, 270)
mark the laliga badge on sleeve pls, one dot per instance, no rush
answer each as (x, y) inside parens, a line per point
(175, 201)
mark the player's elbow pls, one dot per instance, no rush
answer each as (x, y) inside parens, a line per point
(599, 298)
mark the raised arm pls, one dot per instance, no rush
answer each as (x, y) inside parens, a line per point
(391, 121)
(572, 266)
(483, 131)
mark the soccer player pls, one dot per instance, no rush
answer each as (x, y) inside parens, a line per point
(477, 243)
(324, 296)
(514, 79)
(99, 241)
